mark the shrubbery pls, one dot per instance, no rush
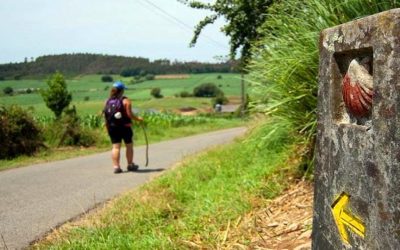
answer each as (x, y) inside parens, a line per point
(19, 133)
(68, 131)
(184, 94)
(207, 90)
(8, 90)
(156, 92)
(106, 78)
(221, 99)
(150, 77)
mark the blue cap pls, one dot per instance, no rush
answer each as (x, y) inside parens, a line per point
(119, 85)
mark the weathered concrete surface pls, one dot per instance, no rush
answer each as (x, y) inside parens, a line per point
(360, 158)
(35, 199)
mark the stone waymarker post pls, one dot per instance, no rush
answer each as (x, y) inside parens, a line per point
(357, 174)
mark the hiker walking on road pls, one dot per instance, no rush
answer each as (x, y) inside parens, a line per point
(118, 114)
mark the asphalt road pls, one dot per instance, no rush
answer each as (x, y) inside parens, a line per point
(36, 199)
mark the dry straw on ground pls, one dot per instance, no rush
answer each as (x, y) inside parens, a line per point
(282, 223)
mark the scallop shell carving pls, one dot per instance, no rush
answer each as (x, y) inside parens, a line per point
(357, 90)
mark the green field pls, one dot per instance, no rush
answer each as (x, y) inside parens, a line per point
(92, 88)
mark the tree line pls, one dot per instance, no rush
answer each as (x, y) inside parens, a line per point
(83, 63)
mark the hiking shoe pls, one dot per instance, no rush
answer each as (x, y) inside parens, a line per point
(117, 170)
(133, 167)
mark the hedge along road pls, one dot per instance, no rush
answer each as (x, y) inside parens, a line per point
(36, 199)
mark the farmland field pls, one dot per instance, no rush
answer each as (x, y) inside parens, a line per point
(89, 92)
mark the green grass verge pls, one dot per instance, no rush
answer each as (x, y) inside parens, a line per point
(192, 203)
(155, 134)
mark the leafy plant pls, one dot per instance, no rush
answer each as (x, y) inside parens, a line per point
(207, 90)
(56, 97)
(220, 99)
(19, 133)
(243, 18)
(8, 90)
(68, 130)
(156, 93)
(184, 94)
(106, 78)
(150, 77)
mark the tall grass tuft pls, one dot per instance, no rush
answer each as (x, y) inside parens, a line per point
(284, 69)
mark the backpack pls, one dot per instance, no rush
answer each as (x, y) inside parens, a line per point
(113, 106)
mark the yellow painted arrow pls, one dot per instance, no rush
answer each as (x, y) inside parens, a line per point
(345, 218)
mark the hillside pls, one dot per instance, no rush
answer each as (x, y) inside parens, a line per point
(78, 64)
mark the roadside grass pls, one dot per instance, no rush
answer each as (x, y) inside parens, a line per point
(155, 134)
(191, 206)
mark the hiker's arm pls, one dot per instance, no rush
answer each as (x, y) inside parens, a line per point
(128, 108)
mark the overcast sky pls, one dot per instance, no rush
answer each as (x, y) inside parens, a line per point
(31, 28)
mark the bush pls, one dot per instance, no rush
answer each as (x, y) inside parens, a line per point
(150, 77)
(19, 133)
(8, 90)
(2, 78)
(106, 88)
(70, 132)
(156, 92)
(106, 78)
(221, 99)
(219, 77)
(184, 94)
(28, 90)
(136, 80)
(207, 90)
(86, 98)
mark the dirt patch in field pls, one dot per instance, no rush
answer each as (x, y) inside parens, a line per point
(177, 76)
(235, 99)
(284, 223)
(189, 111)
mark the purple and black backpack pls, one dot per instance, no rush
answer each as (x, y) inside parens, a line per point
(113, 106)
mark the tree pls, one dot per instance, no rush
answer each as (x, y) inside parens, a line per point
(207, 90)
(156, 92)
(243, 18)
(8, 90)
(56, 97)
(106, 78)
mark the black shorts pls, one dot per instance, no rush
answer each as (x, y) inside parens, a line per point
(117, 134)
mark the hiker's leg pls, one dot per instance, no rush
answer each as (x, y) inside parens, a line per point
(129, 153)
(115, 154)
(128, 136)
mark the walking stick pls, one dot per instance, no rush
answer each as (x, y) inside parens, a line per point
(147, 143)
